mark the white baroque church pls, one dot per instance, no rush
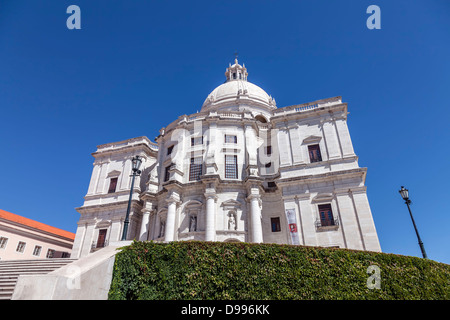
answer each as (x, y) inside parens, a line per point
(241, 169)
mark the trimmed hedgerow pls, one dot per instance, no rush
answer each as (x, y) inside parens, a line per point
(244, 271)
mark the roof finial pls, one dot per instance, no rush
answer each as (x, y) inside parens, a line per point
(235, 57)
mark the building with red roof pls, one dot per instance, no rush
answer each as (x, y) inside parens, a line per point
(23, 238)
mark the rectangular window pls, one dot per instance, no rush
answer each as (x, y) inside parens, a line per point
(3, 242)
(21, 246)
(195, 170)
(101, 240)
(196, 141)
(276, 226)
(167, 173)
(169, 150)
(37, 251)
(50, 253)
(231, 171)
(268, 150)
(326, 215)
(230, 139)
(112, 185)
(314, 153)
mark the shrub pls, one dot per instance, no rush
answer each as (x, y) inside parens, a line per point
(243, 271)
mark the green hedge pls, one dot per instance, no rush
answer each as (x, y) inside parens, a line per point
(215, 270)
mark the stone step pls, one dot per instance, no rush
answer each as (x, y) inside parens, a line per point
(6, 295)
(7, 288)
(27, 262)
(12, 269)
(26, 272)
(7, 281)
(31, 268)
(34, 262)
(5, 276)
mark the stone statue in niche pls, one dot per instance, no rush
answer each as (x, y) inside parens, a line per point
(193, 223)
(232, 221)
(162, 228)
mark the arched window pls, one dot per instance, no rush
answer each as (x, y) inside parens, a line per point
(260, 118)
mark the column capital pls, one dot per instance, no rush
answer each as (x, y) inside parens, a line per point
(254, 196)
(257, 198)
(148, 211)
(171, 200)
(173, 197)
(211, 195)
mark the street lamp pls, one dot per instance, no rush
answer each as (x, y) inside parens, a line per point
(136, 162)
(405, 195)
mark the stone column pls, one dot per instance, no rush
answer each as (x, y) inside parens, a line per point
(210, 232)
(143, 234)
(211, 197)
(169, 233)
(257, 234)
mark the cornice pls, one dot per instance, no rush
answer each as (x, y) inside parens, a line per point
(303, 165)
(318, 112)
(126, 149)
(107, 206)
(322, 176)
(89, 197)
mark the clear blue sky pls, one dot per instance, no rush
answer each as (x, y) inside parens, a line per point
(135, 66)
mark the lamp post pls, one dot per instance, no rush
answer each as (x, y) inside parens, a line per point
(136, 162)
(405, 195)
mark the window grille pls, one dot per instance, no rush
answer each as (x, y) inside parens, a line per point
(231, 167)
(276, 225)
(326, 215)
(195, 170)
(314, 153)
(230, 139)
(196, 141)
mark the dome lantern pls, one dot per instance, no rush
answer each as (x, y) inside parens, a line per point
(237, 93)
(236, 72)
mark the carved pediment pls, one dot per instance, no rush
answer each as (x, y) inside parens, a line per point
(191, 204)
(103, 223)
(231, 204)
(323, 197)
(312, 139)
(114, 173)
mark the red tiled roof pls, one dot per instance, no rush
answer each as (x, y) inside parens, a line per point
(35, 224)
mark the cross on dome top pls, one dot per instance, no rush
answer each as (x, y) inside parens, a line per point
(236, 71)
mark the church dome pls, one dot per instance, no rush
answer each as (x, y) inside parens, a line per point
(237, 93)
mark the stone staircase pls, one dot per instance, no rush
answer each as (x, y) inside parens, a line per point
(12, 269)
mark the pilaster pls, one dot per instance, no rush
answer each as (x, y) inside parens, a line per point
(349, 223)
(366, 223)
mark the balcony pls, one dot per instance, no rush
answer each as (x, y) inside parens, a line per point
(327, 224)
(98, 245)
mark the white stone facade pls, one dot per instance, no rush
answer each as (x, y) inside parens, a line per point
(239, 170)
